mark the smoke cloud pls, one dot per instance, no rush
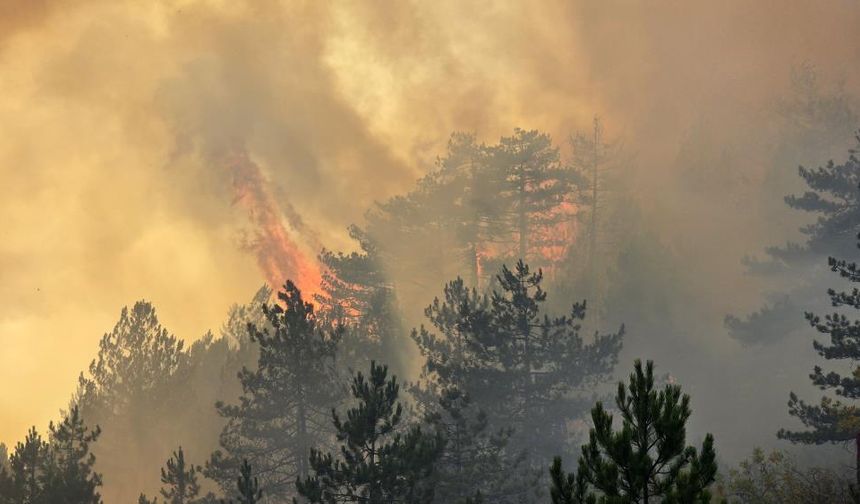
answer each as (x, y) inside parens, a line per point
(182, 151)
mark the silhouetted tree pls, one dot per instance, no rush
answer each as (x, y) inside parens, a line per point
(516, 362)
(282, 412)
(833, 420)
(248, 486)
(69, 475)
(136, 388)
(381, 460)
(536, 194)
(25, 481)
(593, 250)
(646, 461)
(179, 480)
(476, 460)
(358, 296)
(59, 471)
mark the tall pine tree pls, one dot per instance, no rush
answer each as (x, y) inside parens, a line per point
(179, 480)
(381, 460)
(647, 460)
(514, 360)
(70, 477)
(831, 420)
(136, 389)
(283, 411)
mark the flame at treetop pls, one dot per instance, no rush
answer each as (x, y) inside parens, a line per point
(279, 255)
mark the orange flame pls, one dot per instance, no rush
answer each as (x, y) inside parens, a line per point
(279, 256)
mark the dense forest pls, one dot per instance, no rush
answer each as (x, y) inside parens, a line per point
(504, 383)
(447, 252)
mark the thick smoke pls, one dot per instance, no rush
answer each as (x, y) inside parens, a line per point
(123, 124)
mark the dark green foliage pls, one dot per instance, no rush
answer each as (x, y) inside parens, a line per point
(516, 362)
(59, 471)
(248, 486)
(451, 356)
(70, 477)
(567, 488)
(179, 480)
(647, 460)
(833, 420)
(381, 460)
(283, 410)
(28, 467)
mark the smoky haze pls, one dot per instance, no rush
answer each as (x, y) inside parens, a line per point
(122, 122)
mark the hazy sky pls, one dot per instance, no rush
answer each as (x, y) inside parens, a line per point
(118, 120)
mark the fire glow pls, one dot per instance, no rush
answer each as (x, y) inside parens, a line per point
(279, 255)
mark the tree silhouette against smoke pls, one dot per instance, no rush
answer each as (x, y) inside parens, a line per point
(284, 407)
(833, 421)
(482, 205)
(135, 390)
(357, 295)
(58, 470)
(516, 362)
(815, 121)
(381, 459)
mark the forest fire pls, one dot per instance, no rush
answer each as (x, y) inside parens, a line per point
(279, 255)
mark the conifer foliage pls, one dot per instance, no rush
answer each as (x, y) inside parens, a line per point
(832, 420)
(283, 411)
(56, 471)
(179, 479)
(515, 361)
(647, 460)
(381, 459)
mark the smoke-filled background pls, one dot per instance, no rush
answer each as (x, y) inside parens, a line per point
(187, 151)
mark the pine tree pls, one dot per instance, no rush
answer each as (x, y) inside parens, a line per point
(381, 460)
(646, 461)
(476, 462)
(57, 471)
(832, 420)
(515, 361)
(179, 480)
(248, 486)
(358, 296)
(451, 355)
(136, 387)
(282, 412)
(70, 477)
(536, 195)
(27, 470)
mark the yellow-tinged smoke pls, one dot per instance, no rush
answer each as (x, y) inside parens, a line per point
(118, 120)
